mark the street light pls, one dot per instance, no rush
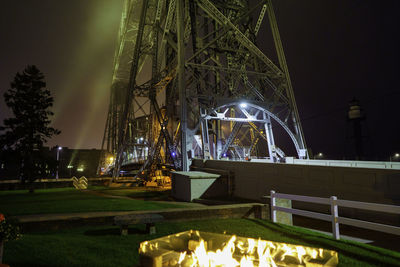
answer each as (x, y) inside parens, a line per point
(58, 157)
(320, 155)
(395, 157)
(70, 169)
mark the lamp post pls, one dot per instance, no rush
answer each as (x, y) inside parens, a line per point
(58, 157)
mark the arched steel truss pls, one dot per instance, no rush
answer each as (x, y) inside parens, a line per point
(260, 114)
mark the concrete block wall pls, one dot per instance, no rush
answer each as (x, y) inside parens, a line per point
(252, 180)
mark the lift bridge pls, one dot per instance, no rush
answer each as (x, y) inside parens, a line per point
(189, 81)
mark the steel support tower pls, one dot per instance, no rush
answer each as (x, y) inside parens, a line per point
(190, 81)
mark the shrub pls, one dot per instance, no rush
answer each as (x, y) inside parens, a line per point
(7, 230)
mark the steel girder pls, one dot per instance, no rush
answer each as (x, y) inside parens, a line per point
(183, 57)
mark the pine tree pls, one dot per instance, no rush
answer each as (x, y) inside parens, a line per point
(26, 132)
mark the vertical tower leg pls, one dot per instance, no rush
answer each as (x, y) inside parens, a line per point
(181, 81)
(270, 137)
(205, 137)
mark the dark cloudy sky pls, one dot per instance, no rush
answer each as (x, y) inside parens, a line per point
(72, 42)
(336, 50)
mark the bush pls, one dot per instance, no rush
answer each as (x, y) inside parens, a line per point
(8, 231)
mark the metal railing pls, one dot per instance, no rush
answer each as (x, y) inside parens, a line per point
(334, 216)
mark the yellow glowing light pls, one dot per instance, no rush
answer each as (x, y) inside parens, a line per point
(239, 251)
(70, 166)
(265, 257)
(80, 169)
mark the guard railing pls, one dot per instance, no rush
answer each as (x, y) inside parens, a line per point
(334, 216)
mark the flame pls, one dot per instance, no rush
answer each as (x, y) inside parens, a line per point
(255, 253)
(217, 250)
(182, 257)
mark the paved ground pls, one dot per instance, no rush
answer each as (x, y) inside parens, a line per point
(45, 222)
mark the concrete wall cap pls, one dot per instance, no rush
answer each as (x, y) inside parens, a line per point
(196, 174)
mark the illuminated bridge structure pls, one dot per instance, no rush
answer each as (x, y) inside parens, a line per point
(190, 81)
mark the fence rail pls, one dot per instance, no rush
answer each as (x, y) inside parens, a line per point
(334, 216)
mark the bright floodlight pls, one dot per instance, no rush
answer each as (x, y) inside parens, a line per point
(320, 154)
(243, 105)
(60, 147)
(397, 155)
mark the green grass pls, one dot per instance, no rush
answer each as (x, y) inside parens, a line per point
(65, 200)
(135, 192)
(103, 246)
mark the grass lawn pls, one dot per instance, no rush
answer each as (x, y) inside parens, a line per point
(103, 246)
(135, 192)
(65, 200)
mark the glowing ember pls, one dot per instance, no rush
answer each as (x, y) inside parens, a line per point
(193, 249)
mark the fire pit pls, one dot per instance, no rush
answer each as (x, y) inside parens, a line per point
(194, 248)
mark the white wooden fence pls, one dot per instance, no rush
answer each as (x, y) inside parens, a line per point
(334, 216)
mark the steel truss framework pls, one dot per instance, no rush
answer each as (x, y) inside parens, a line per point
(189, 81)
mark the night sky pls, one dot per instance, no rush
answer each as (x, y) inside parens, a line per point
(336, 50)
(72, 42)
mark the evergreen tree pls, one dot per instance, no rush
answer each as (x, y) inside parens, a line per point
(28, 130)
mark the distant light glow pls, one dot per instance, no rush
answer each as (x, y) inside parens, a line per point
(397, 155)
(173, 154)
(70, 166)
(320, 154)
(80, 169)
(60, 147)
(83, 127)
(224, 155)
(243, 105)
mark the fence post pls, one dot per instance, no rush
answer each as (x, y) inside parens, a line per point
(335, 215)
(273, 204)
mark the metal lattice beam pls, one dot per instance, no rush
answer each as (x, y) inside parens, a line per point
(199, 52)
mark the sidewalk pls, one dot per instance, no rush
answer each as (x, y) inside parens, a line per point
(43, 222)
